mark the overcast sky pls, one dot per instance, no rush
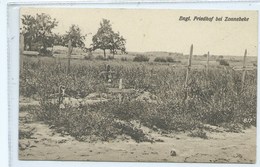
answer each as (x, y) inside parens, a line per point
(161, 30)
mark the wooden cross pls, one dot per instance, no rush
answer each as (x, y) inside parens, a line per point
(107, 74)
(60, 95)
(189, 67)
(120, 90)
(187, 72)
(244, 68)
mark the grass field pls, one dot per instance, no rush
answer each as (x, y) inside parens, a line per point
(157, 108)
(216, 99)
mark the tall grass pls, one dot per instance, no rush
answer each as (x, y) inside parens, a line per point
(215, 98)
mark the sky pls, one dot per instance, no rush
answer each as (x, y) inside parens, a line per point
(161, 29)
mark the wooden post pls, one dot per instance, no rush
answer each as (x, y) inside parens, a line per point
(109, 80)
(188, 67)
(208, 63)
(188, 71)
(69, 55)
(244, 70)
(120, 87)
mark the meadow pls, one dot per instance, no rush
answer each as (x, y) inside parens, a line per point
(215, 98)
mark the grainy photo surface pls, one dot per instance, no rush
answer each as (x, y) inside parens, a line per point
(138, 85)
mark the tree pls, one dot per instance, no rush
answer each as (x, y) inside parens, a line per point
(117, 43)
(106, 39)
(58, 39)
(73, 38)
(28, 30)
(38, 30)
(74, 34)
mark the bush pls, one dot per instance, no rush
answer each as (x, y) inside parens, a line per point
(141, 58)
(137, 134)
(26, 133)
(100, 57)
(223, 62)
(170, 59)
(164, 60)
(160, 59)
(45, 52)
(123, 59)
(198, 133)
(97, 120)
(110, 57)
(88, 57)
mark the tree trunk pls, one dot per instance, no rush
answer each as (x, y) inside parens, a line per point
(113, 52)
(44, 50)
(105, 53)
(30, 46)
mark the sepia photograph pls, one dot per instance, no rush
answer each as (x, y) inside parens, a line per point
(138, 85)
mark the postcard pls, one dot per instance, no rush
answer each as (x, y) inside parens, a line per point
(138, 85)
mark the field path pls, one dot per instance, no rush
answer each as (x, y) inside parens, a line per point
(46, 144)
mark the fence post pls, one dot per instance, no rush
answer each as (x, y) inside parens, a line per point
(120, 87)
(187, 72)
(244, 70)
(69, 55)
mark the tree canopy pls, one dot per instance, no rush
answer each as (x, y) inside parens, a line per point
(107, 39)
(38, 30)
(38, 35)
(74, 34)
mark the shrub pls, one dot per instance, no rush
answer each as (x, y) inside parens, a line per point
(198, 133)
(26, 133)
(160, 59)
(223, 62)
(164, 59)
(170, 59)
(45, 52)
(110, 57)
(100, 57)
(123, 59)
(141, 58)
(135, 133)
(88, 57)
(98, 120)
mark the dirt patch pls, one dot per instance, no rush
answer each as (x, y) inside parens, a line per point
(45, 144)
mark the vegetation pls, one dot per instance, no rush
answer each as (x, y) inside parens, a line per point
(107, 39)
(38, 36)
(123, 59)
(164, 59)
(37, 31)
(75, 35)
(216, 96)
(141, 58)
(223, 62)
(216, 99)
(160, 59)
